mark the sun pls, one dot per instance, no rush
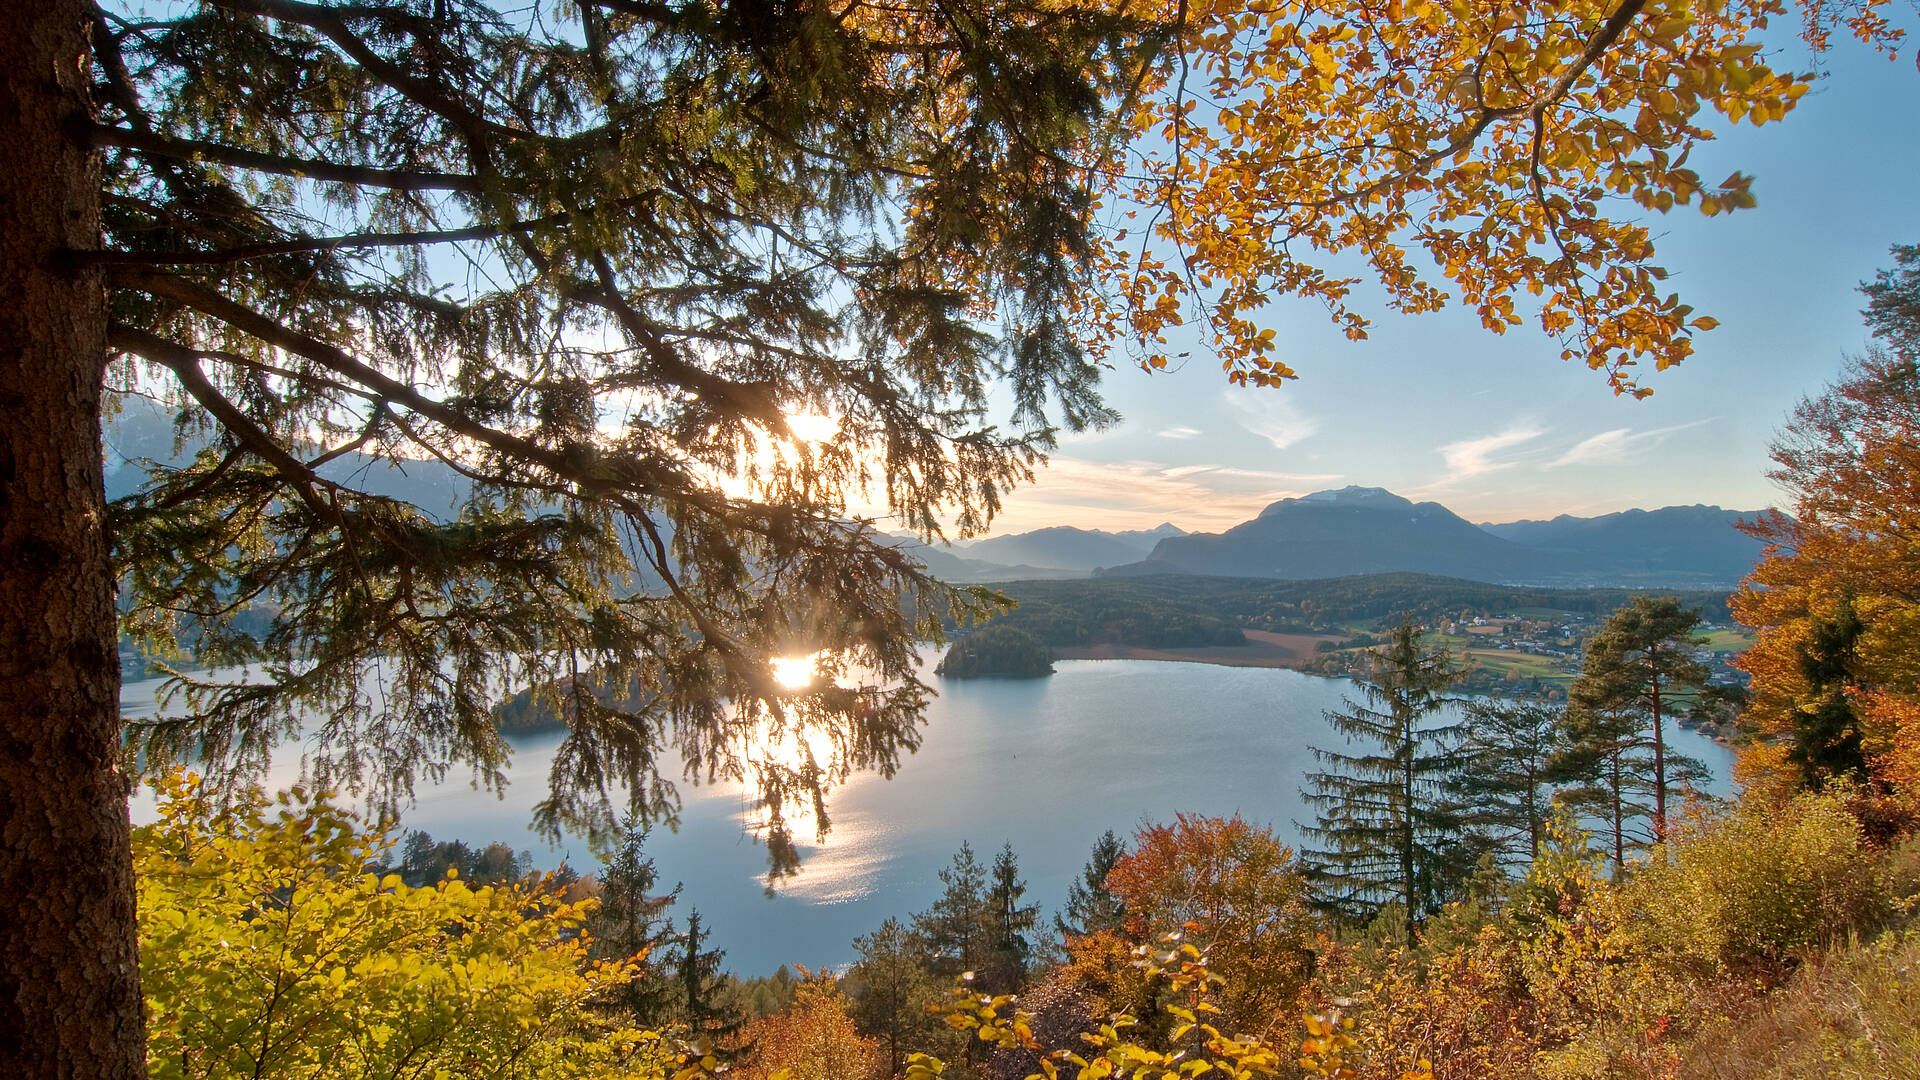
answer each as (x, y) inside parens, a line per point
(795, 672)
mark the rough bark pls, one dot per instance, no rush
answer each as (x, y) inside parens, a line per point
(69, 980)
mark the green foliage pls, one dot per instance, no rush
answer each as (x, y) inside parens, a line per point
(699, 989)
(1826, 729)
(1750, 889)
(631, 925)
(1390, 831)
(1176, 610)
(423, 862)
(1639, 671)
(1507, 773)
(268, 950)
(1091, 907)
(1009, 951)
(1003, 651)
(891, 988)
(955, 927)
(694, 225)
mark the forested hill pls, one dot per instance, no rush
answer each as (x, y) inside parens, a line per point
(1177, 610)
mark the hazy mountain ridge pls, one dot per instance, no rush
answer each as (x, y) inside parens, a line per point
(1359, 530)
(1336, 533)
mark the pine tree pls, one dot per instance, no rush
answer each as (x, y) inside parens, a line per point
(632, 920)
(1388, 831)
(1509, 766)
(1639, 671)
(955, 927)
(1091, 907)
(1008, 922)
(890, 988)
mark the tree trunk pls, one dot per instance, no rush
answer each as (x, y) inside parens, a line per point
(69, 979)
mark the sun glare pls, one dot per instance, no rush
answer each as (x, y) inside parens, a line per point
(795, 672)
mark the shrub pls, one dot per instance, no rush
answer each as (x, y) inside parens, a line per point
(1747, 890)
(268, 950)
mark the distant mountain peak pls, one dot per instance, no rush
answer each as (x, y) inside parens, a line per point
(1351, 495)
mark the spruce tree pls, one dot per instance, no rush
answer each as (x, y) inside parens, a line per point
(632, 920)
(1091, 907)
(1009, 951)
(955, 927)
(698, 983)
(1388, 831)
(1510, 760)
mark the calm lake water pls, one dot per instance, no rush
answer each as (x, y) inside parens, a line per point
(1048, 764)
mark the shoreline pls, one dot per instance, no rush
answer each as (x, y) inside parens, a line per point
(1264, 649)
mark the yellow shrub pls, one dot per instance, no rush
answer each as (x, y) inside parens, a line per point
(268, 950)
(1744, 891)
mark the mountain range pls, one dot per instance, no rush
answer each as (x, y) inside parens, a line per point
(1362, 530)
(1337, 533)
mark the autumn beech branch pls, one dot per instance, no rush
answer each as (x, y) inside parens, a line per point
(192, 150)
(1537, 108)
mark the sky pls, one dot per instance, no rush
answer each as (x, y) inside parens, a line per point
(1435, 408)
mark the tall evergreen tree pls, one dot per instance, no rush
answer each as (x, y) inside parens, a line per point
(1009, 950)
(1510, 760)
(1639, 671)
(699, 985)
(1826, 728)
(1388, 831)
(1091, 906)
(890, 988)
(955, 927)
(632, 920)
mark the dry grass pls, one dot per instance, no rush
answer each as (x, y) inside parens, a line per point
(1853, 1014)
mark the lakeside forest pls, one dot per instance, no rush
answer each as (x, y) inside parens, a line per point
(1528, 886)
(676, 292)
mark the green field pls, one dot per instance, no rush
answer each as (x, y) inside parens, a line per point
(1732, 640)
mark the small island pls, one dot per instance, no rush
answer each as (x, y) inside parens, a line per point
(999, 651)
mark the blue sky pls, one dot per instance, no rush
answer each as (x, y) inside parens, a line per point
(1499, 428)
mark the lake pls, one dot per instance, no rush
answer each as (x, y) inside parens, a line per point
(1048, 764)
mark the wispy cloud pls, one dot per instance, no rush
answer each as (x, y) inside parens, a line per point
(1473, 457)
(1271, 416)
(1182, 432)
(1606, 448)
(1621, 446)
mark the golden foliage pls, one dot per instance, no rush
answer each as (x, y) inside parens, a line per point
(812, 1040)
(1489, 137)
(268, 950)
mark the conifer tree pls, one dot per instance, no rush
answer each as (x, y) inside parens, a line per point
(1639, 672)
(1510, 758)
(890, 988)
(632, 920)
(1091, 906)
(1389, 833)
(699, 984)
(955, 927)
(1009, 951)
